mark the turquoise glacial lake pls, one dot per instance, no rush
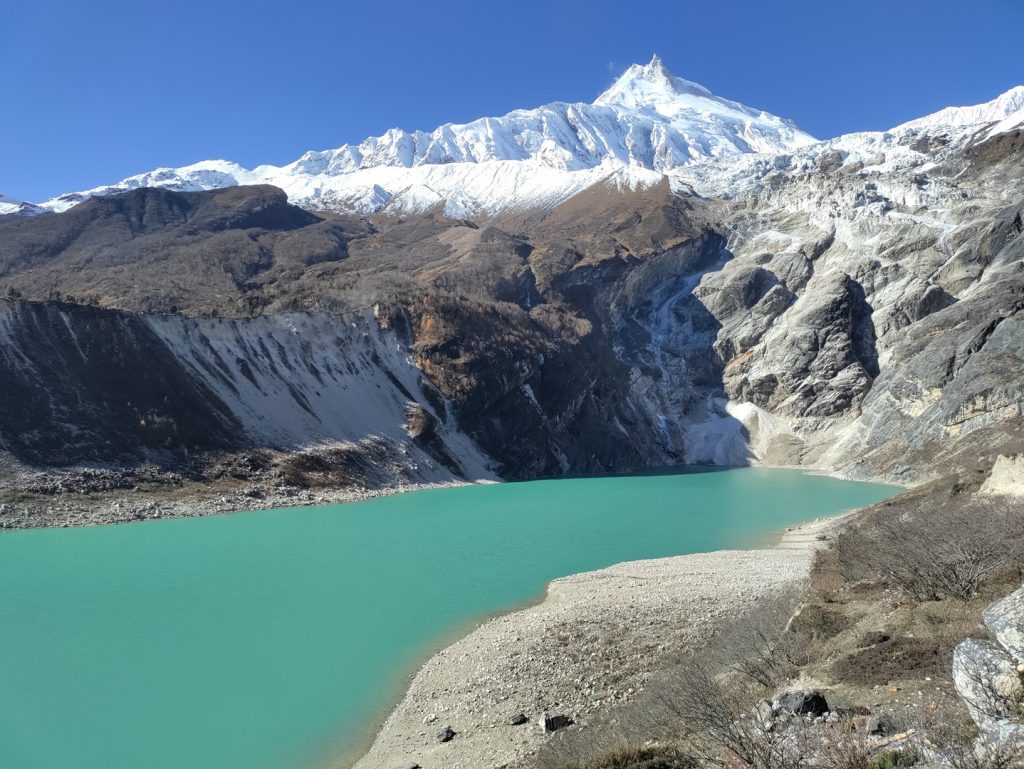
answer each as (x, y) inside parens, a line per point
(277, 639)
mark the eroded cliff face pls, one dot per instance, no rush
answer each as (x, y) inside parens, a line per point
(854, 306)
(896, 355)
(98, 400)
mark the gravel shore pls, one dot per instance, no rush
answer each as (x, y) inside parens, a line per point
(191, 502)
(591, 643)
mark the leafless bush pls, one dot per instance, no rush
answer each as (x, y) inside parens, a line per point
(719, 722)
(579, 749)
(948, 734)
(704, 706)
(766, 645)
(930, 553)
(622, 755)
(842, 747)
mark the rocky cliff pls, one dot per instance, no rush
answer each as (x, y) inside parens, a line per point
(853, 306)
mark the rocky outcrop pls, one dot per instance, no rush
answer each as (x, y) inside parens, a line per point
(106, 389)
(801, 703)
(1005, 620)
(855, 306)
(821, 362)
(988, 677)
(1006, 477)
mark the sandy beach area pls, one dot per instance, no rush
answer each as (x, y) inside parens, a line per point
(590, 644)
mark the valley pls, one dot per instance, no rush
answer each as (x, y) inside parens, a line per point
(576, 297)
(850, 306)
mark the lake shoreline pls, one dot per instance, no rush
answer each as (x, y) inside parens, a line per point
(115, 509)
(520, 661)
(416, 573)
(196, 500)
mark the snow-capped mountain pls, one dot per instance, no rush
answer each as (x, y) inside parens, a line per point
(873, 152)
(13, 207)
(1002, 108)
(703, 125)
(852, 305)
(647, 123)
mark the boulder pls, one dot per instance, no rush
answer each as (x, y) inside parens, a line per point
(1005, 620)
(1002, 738)
(986, 678)
(549, 723)
(802, 703)
(518, 720)
(446, 735)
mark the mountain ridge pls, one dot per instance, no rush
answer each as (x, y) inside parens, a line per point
(682, 125)
(852, 306)
(646, 124)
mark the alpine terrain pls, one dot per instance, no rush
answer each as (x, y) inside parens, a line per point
(661, 277)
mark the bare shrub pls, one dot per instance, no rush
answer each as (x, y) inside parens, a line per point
(948, 734)
(704, 707)
(934, 552)
(843, 747)
(627, 756)
(719, 722)
(573, 748)
(894, 759)
(766, 645)
(819, 622)
(826, 580)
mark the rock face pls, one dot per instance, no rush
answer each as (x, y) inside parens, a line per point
(1007, 476)
(94, 384)
(988, 677)
(114, 387)
(854, 305)
(1005, 620)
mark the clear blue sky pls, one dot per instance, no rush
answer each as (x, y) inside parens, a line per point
(95, 91)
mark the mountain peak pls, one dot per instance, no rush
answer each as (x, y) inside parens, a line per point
(1005, 111)
(13, 207)
(648, 85)
(648, 120)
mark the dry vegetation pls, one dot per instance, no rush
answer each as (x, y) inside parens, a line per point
(874, 631)
(931, 552)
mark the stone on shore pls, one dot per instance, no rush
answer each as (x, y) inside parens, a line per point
(802, 703)
(508, 662)
(550, 724)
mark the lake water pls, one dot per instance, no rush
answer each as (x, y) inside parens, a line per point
(276, 639)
